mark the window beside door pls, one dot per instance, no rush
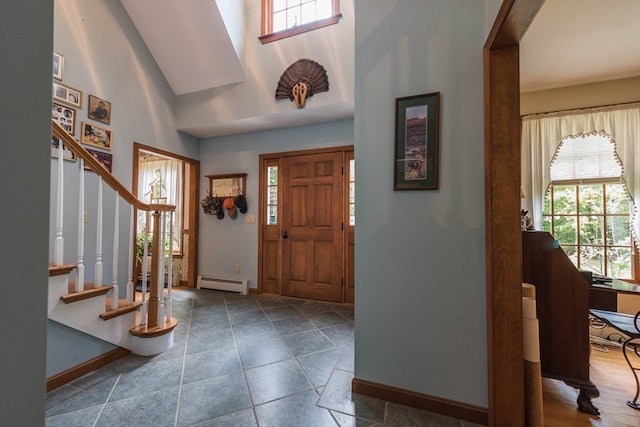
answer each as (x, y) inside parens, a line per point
(272, 194)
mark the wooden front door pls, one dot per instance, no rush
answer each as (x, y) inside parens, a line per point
(312, 226)
(306, 224)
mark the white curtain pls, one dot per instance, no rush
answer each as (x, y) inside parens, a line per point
(543, 133)
(171, 173)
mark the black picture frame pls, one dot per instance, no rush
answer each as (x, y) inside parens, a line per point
(417, 142)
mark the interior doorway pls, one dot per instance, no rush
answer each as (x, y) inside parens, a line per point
(163, 177)
(307, 224)
(502, 197)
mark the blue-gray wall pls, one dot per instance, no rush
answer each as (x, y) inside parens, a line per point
(225, 243)
(420, 318)
(26, 40)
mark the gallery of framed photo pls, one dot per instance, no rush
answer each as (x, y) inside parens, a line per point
(65, 116)
(106, 159)
(67, 95)
(99, 109)
(55, 150)
(96, 136)
(417, 142)
(58, 65)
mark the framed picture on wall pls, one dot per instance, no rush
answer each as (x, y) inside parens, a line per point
(65, 116)
(105, 159)
(99, 109)
(55, 150)
(58, 65)
(417, 142)
(96, 136)
(67, 95)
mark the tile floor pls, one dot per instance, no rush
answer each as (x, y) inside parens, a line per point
(241, 361)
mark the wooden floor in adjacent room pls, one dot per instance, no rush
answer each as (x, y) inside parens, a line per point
(615, 381)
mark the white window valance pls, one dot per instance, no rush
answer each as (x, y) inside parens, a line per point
(585, 157)
(542, 134)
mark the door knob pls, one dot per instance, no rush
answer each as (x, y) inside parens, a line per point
(285, 234)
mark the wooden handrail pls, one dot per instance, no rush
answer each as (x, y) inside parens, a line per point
(98, 168)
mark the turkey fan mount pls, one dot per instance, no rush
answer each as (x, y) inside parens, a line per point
(301, 80)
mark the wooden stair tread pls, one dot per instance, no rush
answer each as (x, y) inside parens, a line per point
(59, 270)
(145, 332)
(123, 308)
(89, 291)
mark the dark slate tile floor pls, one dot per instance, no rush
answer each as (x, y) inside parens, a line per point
(237, 361)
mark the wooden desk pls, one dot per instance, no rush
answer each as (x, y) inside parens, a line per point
(605, 296)
(562, 305)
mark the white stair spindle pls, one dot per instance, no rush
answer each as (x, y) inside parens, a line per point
(145, 253)
(130, 265)
(80, 268)
(116, 241)
(58, 249)
(169, 302)
(98, 271)
(161, 319)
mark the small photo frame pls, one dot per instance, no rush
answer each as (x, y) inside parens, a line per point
(99, 109)
(66, 153)
(65, 116)
(96, 136)
(67, 95)
(417, 142)
(58, 65)
(105, 159)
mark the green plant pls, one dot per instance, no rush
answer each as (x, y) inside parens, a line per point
(140, 237)
(140, 245)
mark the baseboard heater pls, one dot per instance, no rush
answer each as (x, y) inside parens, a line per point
(223, 284)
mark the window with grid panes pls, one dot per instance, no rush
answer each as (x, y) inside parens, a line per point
(587, 207)
(285, 18)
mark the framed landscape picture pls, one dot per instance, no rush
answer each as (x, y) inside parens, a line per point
(96, 136)
(417, 142)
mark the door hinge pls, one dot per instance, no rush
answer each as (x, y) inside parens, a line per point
(342, 226)
(342, 170)
(342, 282)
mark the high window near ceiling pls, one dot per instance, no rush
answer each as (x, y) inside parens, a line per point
(286, 18)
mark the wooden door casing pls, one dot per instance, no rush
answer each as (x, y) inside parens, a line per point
(349, 237)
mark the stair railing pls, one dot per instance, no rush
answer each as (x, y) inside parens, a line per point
(154, 313)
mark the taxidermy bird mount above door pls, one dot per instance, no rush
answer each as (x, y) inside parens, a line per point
(301, 80)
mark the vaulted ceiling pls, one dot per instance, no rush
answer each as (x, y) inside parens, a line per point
(197, 43)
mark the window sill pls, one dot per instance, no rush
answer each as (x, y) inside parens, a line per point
(268, 38)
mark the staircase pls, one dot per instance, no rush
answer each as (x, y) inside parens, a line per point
(143, 326)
